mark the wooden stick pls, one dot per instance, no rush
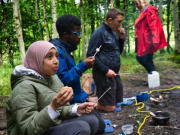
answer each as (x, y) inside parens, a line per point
(97, 51)
(104, 93)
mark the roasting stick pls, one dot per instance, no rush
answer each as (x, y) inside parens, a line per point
(97, 50)
(104, 93)
(152, 114)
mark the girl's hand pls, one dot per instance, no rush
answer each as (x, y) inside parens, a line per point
(86, 108)
(64, 96)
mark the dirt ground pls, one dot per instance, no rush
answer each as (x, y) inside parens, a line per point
(128, 115)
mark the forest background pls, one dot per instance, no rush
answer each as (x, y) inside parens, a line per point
(26, 21)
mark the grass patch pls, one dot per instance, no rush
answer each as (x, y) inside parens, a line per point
(5, 88)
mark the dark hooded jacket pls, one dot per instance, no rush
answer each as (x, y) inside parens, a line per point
(111, 47)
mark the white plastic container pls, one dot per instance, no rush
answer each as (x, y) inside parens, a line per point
(153, 79)
(127, 129)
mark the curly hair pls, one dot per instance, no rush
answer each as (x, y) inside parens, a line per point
(113, 13)
(66, 23)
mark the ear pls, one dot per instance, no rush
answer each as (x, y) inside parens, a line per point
(65, 34)
(110, 20)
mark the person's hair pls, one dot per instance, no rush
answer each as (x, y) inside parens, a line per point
(143, 3)
(113, 13)
(66, 23)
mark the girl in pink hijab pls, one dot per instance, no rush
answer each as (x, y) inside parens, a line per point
(38, 105)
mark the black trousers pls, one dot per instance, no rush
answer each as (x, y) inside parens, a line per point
(147, 62)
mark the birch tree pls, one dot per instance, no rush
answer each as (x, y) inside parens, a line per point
(54, 18)
(111, 3)
(37, 16)
(46, 22)
(176, 26)
(18, 28)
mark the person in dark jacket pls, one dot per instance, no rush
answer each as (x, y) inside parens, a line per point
(69, 30)
(38, 104)
(107, 43)
(149, 35)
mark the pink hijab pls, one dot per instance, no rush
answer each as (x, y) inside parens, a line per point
(35, 56)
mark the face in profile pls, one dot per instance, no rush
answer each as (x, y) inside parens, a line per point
(51, 62)
(116, 23)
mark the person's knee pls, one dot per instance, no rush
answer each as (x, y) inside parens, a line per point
(83, 128)
(110, 108)
(93, 122)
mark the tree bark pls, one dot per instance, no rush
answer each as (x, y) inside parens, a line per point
(99, 9)
(18, 28)
(83, 29)
(117, 4)
(161, 18)
(105, 8)
(54, 18)
(176, 26)
(179, 12)
(111, 1)
(46, 22)
(126, 42)
(39, 24)
(91, 14)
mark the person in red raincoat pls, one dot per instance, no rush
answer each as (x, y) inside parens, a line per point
(149, 34)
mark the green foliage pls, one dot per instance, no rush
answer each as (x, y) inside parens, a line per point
(3, 103)
(5, 88)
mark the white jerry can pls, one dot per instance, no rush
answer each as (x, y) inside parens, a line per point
(153, 79)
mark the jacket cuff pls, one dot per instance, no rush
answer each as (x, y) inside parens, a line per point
(82, 67)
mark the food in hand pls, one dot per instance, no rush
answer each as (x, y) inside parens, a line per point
(65, 89)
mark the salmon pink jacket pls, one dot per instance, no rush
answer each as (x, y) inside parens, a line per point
(149, 32)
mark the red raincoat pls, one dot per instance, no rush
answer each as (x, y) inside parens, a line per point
(149, 32)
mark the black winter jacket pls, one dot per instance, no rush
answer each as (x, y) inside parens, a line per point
(109, 55)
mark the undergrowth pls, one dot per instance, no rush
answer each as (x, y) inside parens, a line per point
(129, 64)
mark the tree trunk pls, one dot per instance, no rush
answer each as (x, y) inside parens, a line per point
(105, 8)
(161, 18)
(18, 28)
(91, 14)
(37, 15)
(87, 33)
(126, 42)
(1, 59)
(160, 11)
(100, 17)
(54, 18)
(83, 29)
(111, 1)
(179, 12)
(176, 26)
(117, 4)
(46, 22)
